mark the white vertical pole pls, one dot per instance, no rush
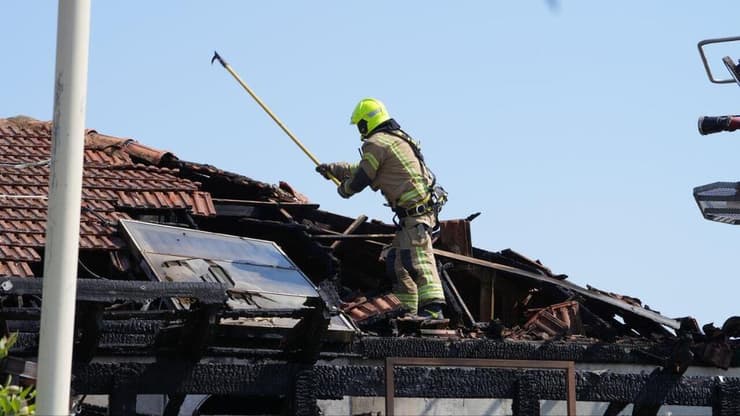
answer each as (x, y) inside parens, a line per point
(63, 220)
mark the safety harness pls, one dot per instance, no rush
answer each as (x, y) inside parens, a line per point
(437, 194)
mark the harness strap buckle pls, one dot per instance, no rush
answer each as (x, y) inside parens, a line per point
(415, 211)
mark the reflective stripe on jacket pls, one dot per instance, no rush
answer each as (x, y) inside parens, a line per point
(389, 163)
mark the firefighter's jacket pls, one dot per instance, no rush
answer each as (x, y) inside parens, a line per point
(390, 165)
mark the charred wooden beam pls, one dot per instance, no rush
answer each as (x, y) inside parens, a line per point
(726, 398)
(88, 323)
(22, 372)
(595, 326)
(122, 397)
(259, 209)
(250, 377)
(526, 402)
(95, 290)
(236, 377)
(599, 352)
(136, 336)
(334, 222)
(622, 305)
(305, 339)
(192, 337)
(352, 237)
(244, 202)
(349, 230)
(336, 235)
(267, 313)
(440, 382)
(303, 395)
(454, 300)
(454, 236)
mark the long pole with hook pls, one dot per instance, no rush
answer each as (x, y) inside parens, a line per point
(217, 57)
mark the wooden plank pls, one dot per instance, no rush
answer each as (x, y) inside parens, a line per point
(486, 297)
(96, 290)
(350, 236)
(637, 310)
(286, 214)
(261, 203)
(455, 301)
(247, 208)
(352, 227)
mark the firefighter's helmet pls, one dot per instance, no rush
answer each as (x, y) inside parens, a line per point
(369, 114)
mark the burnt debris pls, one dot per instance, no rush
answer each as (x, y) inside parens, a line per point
(231, 286)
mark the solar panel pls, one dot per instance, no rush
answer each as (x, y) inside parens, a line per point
(261, 275)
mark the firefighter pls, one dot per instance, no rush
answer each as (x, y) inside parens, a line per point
(392, 163)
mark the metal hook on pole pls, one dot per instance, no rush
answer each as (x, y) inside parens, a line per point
(217, 57)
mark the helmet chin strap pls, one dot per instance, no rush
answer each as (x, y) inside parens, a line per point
(362, 127)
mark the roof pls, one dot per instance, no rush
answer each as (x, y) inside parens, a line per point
(124, 179)
(120, 176)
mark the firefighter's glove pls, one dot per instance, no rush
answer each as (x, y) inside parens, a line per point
(325, 170)
(339, 170)
(342, 190)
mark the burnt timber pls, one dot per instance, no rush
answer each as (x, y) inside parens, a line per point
(131, 340)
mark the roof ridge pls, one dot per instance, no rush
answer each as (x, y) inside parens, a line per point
(24, 122)
(102, 142)
(24, 126)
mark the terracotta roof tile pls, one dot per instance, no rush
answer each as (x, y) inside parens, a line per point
(101, 242)
(21, 240)
(33, 227)
(202, 203)
(24, 141)
(114, 180)
(23, 201)
(556, 320)
(93, 157)
(15, 268)
(8, 252)
(363, 309)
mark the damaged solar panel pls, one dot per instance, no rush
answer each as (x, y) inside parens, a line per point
(259, 272)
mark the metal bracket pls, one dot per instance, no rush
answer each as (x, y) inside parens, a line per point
(733, 69)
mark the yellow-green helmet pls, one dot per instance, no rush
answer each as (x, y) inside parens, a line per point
(369, 114)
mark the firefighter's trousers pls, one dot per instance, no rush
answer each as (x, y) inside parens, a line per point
(411, 265)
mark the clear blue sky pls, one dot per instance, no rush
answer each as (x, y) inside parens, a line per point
(570, 125)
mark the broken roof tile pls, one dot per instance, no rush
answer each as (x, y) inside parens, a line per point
(114, 145)
(203, 204)
(555, 320)
(363, 309)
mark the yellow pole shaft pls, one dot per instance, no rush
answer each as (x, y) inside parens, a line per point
(272, 115)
